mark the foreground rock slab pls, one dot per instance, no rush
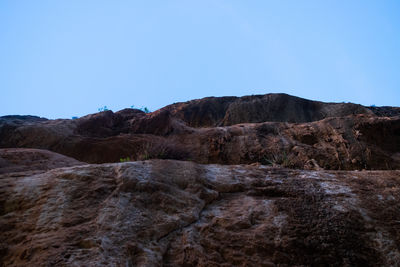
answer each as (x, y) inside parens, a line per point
(174, 213)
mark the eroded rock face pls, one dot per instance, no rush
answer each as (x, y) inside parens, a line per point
(174, 213)
(226, 111)
(28, 159)
(275, 129)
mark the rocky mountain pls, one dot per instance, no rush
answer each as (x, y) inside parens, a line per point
(271, 180)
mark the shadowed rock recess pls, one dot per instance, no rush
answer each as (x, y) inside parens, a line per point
(265, 180)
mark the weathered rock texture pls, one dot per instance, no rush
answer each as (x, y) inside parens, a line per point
(58, 211)
(269, 129)
(225, 111)
(175, 213)
(25, 159)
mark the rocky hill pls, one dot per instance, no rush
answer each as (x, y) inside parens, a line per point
(267, 129)
(271, 180)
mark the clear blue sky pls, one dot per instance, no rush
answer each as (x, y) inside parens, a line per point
(67, 58)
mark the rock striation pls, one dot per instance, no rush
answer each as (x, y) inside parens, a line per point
(177, 213)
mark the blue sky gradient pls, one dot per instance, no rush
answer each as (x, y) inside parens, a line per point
(60, 59)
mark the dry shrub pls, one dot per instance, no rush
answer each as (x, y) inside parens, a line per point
(161, 150)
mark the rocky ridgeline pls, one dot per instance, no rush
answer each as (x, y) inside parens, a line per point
(56, 209)
(275, 129)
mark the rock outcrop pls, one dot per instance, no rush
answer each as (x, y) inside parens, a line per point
(270, 180)
(226, 111)
(27, 159)
(272, 129)
(175, 213)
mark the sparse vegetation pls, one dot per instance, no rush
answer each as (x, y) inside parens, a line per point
(125, 159)
(280, 158)
(157, 150)
(152, 151)
(144, 109)
(103, 109)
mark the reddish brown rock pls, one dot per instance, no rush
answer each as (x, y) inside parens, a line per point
(57, 211)
(225, 111)
(274, 129)
(174, 213)
(27, 159)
